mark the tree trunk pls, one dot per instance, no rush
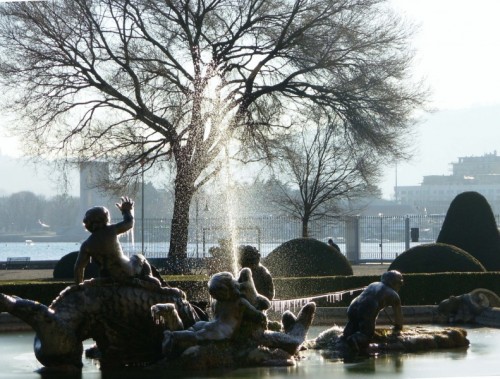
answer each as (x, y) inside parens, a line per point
(305, 227)
(180, 224)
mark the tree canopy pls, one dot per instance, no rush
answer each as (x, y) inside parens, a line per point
(143, 82)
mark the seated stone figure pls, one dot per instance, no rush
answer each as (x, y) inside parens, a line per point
(104, 248)
(364, 309)
(249, 256)
(229, 309)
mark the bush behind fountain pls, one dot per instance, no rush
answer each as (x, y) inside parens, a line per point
(307, 257)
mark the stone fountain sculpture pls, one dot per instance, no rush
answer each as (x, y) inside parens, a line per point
(103, 247)
(249, 256)
(117, 317)
(364, 309)
(361, 336)
(135, 318)
(466, 308)
(237, 335)
(123, 319)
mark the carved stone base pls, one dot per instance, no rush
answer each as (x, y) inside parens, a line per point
(411, 339)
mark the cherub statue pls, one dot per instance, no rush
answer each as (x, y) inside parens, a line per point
(237, 319)
(104, 248)
(229, 309)
(249, 256)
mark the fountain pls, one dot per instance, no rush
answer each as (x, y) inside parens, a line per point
(133, 316)
(128, 321)
(138, 324)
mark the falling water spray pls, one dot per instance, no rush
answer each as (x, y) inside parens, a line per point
(231, 208)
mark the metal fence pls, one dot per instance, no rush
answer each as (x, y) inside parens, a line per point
(361, 239)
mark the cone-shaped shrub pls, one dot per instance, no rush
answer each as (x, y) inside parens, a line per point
(470, 225)
(435, 257)
(306, 257)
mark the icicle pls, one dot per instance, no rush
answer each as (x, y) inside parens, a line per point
(332, 297)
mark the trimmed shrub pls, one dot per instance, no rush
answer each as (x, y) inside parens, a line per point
(418, 289)
(470, 225)
(65, 268)
(306, 257)
(436, 257)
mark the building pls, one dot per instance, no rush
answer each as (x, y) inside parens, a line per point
(435, 193)
(92, 176)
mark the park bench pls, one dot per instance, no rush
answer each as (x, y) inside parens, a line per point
(17, 262)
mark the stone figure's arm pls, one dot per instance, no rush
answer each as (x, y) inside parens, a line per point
(127, 208)
(82, 261)
(253, 314)
(269, 284)
(398, 313)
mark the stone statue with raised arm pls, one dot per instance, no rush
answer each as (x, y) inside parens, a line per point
(104, 248)
(364, 309)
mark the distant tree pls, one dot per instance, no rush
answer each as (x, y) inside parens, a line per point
(24, 210)
(142, 82)
(319, 169)
(5, 224)
(62, 211)
(157, 202)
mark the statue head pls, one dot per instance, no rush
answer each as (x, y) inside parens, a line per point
(248, 256)
(223, 286)
(393, 279)
(96, 218)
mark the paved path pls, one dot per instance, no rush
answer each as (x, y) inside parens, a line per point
(6, 275)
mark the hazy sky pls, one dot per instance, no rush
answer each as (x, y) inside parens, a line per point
(458, 55)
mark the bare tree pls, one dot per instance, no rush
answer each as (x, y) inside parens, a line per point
(142, 82)
(318, 169)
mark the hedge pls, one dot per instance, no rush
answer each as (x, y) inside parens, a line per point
(470, 225)
(45, 292)
(435, 257)
(305, 257)
(418, 289)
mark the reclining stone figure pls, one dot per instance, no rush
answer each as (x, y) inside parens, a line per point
(229, 309)
(237, 322)
(466, 307)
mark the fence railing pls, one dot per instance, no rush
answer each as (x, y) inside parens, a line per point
(361, 239)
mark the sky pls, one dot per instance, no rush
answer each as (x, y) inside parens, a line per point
(457, 46)
(457, 54)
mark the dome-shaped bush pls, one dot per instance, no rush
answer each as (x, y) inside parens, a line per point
(470, 225)
(65, 268)
(306, 257)
(435, 257)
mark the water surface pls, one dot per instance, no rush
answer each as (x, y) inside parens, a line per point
(481, 359)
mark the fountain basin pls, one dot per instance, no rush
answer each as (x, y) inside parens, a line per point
(480, 359)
